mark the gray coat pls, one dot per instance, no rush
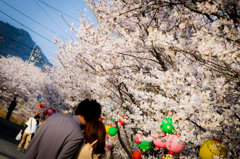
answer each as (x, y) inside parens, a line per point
(60, 136)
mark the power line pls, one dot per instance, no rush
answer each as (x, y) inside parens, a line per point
(26, 27)
(58, 10)
(16, 41)
(22, 45)
(20, 53)
(50, 17)
(12, 49)
(31, 19)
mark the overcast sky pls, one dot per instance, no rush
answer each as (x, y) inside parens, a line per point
(47, 16)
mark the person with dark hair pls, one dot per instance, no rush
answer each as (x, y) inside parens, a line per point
(30, 128)
(11, 108)
(95, 135)
(36, 117)
(60, 136)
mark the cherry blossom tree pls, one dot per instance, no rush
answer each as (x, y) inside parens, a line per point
(26, 81)
(149, 60)
(66, 89)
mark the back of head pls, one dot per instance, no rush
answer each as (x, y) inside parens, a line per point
(95, 130)
(89, 109)
(36, 117)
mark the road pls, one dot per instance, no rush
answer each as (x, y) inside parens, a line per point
(8, 144)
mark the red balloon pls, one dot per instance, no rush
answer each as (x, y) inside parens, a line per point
(100, 119)
(137, 154)
(54, 110)
(42, 105)
(45, 112)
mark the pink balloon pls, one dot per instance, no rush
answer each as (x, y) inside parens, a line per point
(44, 106)
(159, 143)
(110, 137)
(108, 147)
(138, 138)
(173, 146)
(50, 111)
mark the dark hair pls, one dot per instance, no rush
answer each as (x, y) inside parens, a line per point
(95, 130)
(89, 109)
(37, 117)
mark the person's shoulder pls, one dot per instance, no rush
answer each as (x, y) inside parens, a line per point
(71, 121)
(57, 115)
(106, 155)
(85, 151)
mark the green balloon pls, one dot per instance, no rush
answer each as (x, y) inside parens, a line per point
(112, 131)
(113, 120)
(145, 146)
(167, 126)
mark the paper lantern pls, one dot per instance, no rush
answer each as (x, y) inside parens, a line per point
(42, 105)
(173, 145)
(110, 107)
(49, 111)
(167, 126)
(45, 112)
(107, 128)
(110, 137)
(65, 112)
(121, 122)
(138, 138)
(168, 157)
(137, 154)
(108, 147)
(209, 148)
(112, 131)
(145, 146)
(159, 143)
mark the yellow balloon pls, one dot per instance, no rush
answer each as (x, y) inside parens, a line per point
(107, 127)
(65, 112)
(209, 148)
(168, 157)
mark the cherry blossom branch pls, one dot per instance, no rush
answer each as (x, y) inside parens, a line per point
(122, 143)
(199, 126)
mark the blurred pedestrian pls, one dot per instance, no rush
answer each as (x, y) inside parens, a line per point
(37, 118)
(41, 120)
(60, 136)
(11, 108)
(30, 128)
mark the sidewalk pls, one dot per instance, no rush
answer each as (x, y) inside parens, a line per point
(8, 144)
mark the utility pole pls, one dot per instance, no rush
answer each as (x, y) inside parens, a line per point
(38, 58)
(31, 54)
(35, 55)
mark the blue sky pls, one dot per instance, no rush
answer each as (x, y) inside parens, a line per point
(46, 16)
